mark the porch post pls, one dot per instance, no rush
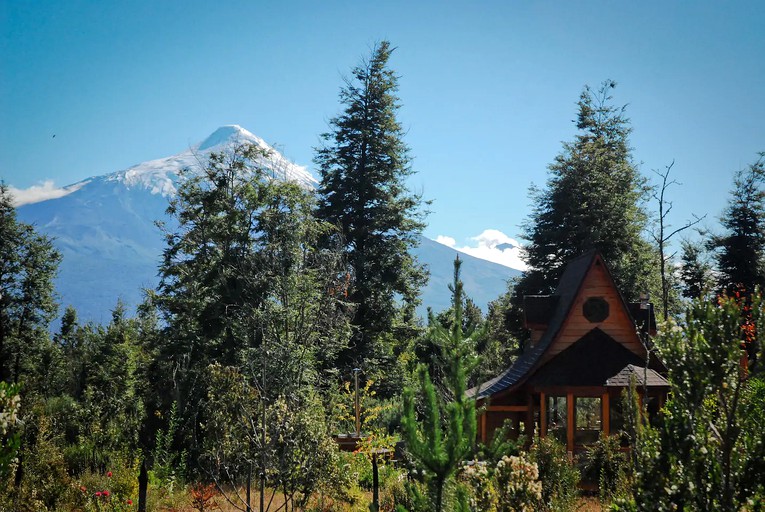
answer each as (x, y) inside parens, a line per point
(542, 414)
(570, 423)
(606, 414)
(530, 418)
(483, 425)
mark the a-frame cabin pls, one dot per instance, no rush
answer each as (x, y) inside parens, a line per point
(584, 350)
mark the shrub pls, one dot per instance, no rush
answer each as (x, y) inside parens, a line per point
(560, 479)
(483, 492)
(518, 485)
(511, 485)
(45, 482)
(10, 402)
(120, 482)
(603, 462)
(203, 497)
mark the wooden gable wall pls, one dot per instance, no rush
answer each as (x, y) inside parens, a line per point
(618, 325)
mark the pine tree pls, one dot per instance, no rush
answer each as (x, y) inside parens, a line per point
(695, 271)
(445, 435)
(593, 200)
(741, 251)
(363, 164)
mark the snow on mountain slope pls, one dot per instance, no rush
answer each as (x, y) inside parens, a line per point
(160, 176)
(105, 230)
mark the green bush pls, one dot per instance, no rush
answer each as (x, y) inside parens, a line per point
(46, 484)
(604, 463)
(560, 479)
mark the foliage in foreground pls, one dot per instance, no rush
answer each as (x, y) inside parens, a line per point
(708, 451)
(512, 485)
(560, 478)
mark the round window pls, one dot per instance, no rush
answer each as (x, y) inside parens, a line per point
(595, 309)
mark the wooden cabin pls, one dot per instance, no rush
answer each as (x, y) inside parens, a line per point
(585, 349)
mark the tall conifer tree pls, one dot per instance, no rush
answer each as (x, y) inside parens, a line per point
(741, 251)
(592, 201)
(363, 164)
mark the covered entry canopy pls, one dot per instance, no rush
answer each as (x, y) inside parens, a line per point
(585, 348)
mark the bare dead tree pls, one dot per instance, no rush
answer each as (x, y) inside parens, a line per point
(664, 234)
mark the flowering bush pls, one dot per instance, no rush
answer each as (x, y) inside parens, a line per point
(10, 402)
(484, 495)
(105, 493)
(512, 485)
(518, 485)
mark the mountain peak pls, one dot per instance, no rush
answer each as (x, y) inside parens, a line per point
(227, 134)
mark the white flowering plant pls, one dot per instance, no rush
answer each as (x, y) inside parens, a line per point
(10, 402)
(512, 485)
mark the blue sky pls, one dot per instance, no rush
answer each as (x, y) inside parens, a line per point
(488, 88)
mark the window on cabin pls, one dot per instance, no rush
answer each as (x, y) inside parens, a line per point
(595, 309)
(557, 411)
(588, 423)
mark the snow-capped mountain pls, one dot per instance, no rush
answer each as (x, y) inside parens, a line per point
(104, 227)
(160, 176)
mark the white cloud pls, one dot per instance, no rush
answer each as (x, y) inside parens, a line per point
(446, 240)
(43, 192)
(491, 245)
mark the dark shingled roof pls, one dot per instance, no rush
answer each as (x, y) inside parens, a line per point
(642, 375)
(568, 287)
(591, 361)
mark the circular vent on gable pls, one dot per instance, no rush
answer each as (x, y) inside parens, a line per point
(595, 309)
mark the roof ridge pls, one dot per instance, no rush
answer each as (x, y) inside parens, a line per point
(568, 288)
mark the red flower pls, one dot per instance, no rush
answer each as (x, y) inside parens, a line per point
(109, 474)
(129, 502)
(98, 494)
(106, 494)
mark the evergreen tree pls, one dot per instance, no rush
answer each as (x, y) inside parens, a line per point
(695, 271)
(593, 200)
(499, 348)
(740, 253)
(244, 284)
(28, 264)
(429, 349)
(363, 164)
(445, 434)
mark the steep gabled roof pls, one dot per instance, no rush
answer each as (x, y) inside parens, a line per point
(568, 289)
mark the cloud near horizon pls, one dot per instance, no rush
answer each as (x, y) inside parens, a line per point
(38, 193)
(491, 245)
